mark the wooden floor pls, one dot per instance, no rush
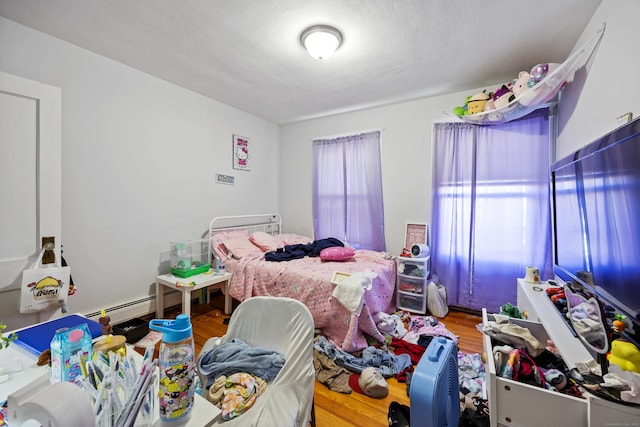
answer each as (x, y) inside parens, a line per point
(332, 408)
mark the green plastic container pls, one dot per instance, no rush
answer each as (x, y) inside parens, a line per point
(191, 271)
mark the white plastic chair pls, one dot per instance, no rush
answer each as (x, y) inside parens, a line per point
(284, 325)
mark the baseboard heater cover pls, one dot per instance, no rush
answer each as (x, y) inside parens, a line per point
(137, 308)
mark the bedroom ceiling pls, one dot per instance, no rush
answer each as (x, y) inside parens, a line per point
(247, 53)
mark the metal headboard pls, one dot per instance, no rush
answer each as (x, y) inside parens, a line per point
(269, 223)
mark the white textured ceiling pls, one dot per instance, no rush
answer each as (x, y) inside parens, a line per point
(247, 53)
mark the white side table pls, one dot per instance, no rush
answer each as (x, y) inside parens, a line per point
(204, 280)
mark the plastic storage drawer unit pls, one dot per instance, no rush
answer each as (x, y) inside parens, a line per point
(411, 284)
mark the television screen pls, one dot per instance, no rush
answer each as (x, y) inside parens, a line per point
(596, 199)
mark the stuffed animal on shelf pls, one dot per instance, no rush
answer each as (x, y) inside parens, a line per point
(462, 110)
(540, 71)
(521, 84)
(490, 105)
(625, 354)
(502, 97)
(477, 102)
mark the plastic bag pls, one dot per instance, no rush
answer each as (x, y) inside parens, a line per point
(437, 299)
(44, 287)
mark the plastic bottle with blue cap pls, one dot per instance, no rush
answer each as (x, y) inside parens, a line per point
(177, 368)
(70, 349)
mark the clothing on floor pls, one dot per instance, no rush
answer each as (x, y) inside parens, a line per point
(415, 351)
(427, 325)
(335, 377)
(387, 363)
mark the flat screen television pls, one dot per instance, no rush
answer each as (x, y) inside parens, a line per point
(596, 218)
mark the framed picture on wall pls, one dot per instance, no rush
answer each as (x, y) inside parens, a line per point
(241, 153)
(415, 234)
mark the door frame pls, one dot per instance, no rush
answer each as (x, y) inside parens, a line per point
(48, 140)
(49, 151)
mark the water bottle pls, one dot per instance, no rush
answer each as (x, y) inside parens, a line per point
(70, 349)
(177, 368)
(219, 266)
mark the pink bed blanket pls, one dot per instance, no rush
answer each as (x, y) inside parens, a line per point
(309, 280)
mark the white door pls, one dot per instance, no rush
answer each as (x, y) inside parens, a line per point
(30, 184)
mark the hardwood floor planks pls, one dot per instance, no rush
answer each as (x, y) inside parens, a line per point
(332, 408)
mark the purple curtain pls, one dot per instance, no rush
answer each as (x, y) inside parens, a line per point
(347, 190)
(491, 215)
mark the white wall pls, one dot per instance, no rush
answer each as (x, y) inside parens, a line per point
(609, 85)
(406, 162)
(139, 157)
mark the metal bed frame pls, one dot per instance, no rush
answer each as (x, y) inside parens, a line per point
(270, 223)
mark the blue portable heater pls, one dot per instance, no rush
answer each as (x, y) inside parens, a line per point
(434, 390)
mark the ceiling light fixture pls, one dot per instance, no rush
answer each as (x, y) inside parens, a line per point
(321, 41)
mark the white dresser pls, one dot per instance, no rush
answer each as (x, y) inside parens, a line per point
(512, 403)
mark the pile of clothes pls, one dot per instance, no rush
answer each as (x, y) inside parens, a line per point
(234, 374)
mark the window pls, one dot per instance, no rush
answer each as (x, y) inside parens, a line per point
(347, 190)
(491, 213)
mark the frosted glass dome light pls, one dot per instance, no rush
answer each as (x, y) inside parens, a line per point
(321, 41)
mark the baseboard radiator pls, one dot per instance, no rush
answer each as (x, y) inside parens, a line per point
(137, 308)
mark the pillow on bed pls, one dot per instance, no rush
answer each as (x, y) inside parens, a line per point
(293, 239)
(218, 239)
(241, 246)
(337, 253)
(265, 241)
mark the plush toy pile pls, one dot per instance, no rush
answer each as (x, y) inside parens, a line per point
(504, 95)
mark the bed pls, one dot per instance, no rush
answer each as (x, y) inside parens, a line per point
(242, 242)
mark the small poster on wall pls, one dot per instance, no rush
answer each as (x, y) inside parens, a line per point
(415, 234)
(241, 155)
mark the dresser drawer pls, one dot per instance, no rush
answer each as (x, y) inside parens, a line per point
(416, 303)
(414, 285)
(513, 403)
